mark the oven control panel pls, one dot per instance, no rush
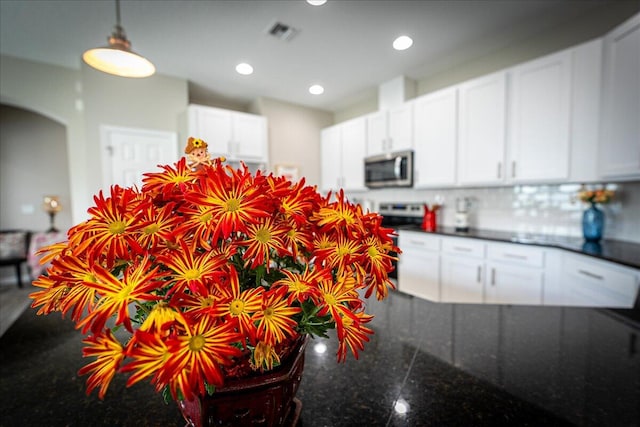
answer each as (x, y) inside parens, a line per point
(401, 209)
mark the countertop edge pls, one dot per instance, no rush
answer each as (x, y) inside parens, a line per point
(624, 253)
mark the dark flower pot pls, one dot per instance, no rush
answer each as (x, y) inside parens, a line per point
(258, 400)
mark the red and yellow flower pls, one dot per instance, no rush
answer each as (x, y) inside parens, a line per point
(204, 266)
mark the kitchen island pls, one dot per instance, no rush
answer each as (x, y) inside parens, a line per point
(497, 267)
(617, 251)
(428, 364)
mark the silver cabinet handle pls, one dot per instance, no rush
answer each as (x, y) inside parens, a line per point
(493, 277)
(416, 242)
(514, 256)
(499, 169)
(592, 275)
(513, 169)
(461, 249)
(479, 278)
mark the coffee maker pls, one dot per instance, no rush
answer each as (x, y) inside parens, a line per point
(462, 214)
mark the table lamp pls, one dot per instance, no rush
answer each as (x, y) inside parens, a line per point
(52, 206)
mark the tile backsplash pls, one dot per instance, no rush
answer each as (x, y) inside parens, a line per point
(546, 209)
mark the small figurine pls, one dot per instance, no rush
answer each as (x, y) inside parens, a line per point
(197, 154)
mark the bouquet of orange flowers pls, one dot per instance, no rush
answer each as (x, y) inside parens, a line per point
(203, 265)
(601, 196)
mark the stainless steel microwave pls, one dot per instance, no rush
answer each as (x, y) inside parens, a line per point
(389, 170)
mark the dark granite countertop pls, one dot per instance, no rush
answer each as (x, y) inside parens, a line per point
(620, 252)
(427, 364)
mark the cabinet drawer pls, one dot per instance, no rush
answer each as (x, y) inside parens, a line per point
(603, 283)
(516, 254)
(418, 240)
(468, 247)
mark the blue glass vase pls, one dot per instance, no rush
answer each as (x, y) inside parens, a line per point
(593, 224)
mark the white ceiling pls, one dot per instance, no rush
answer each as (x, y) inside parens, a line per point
(343, 45)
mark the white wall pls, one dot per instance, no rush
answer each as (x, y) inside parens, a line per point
(152, 103)
(55, 93)
(82, 101)
(33, 163)
(294, 135)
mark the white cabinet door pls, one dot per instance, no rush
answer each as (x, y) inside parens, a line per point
(234, 135)
(513, 284)
(482, 130)
(391, 130)
(419, 265)
(540, 93)
(435, 131)
(331, 158)
(400, 127)
(515, 274)
(342, 155)
(249, 134)
(353, 138)
(592, 283)
(586, 101)
(377, 139)
(620, 138)
(212, 125)
(462, 279)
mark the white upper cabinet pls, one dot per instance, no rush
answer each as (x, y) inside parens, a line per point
(586, 79)
(354, 141)
(481, 130)
(249, 136)
(390, 130)
(330, 158)
(539, 119)
(235, 135)
(620, 137)
(342, 150)
(435, 138)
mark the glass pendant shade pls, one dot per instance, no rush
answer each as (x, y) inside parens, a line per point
(117, 58)
(118, 62)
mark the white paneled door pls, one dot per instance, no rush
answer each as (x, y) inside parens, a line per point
(127, 153)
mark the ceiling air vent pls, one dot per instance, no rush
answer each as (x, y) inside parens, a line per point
(281, 31)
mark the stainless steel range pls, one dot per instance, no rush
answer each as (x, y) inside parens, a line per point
(398, 214)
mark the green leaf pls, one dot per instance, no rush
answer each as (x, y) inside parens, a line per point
(210, 388)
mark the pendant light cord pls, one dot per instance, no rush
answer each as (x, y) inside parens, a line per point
(118, 12)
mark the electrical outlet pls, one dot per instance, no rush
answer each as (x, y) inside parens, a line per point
(27, 209)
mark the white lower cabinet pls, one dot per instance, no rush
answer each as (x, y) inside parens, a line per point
(462, 278)
(468, 270)
(515, 274)
(586, 281)
(509, 284)
(419, 265)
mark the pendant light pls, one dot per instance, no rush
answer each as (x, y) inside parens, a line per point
(118, 58)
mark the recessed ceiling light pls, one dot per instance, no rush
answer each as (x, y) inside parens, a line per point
(402, 43)
(244, 69)
(316, 90)
(316, 2)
